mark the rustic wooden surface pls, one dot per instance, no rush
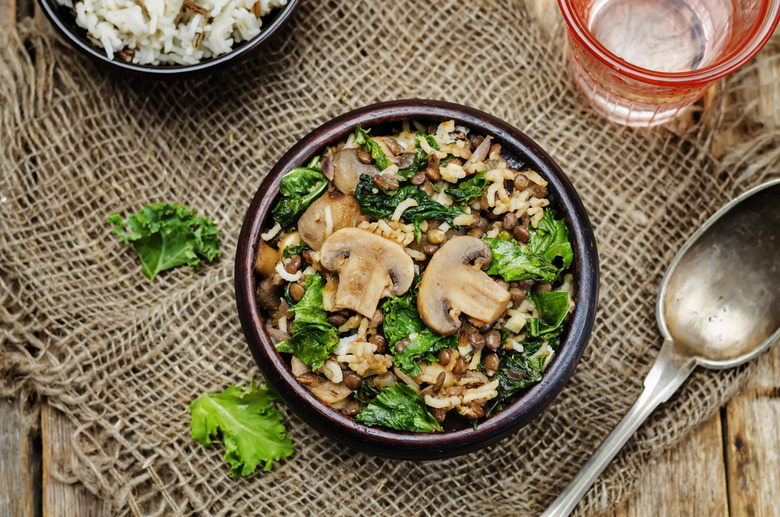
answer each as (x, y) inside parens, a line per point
(729, 466)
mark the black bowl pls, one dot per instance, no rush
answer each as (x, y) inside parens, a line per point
(519, 151)
(65, 22)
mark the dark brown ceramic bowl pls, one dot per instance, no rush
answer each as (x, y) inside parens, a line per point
(519, 151)
(65, 23)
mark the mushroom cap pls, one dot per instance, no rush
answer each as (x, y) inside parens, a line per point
(330, 212)
(454, 283)
(369, 267)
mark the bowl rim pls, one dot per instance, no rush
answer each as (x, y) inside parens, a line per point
(397, 444)
(50, 9)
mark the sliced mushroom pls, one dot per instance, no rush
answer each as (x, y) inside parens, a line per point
(330, 392)
(370, 267)
(344, 169)
(331, 211)
(454, 283)
(269, 295)
(267, 257)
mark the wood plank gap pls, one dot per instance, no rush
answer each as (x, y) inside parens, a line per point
(724, 426)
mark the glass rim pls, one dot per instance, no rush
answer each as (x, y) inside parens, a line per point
(733, 61)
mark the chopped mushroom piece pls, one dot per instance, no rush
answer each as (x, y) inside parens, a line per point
(267, 257)
(370, 267)
(454, 283)
(332, 211)
(344, 169)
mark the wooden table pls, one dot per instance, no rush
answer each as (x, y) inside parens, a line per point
(729, 466)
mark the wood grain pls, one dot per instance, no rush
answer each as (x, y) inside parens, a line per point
(60, 498)
(688, 480)
(20, 460)
(753, 442)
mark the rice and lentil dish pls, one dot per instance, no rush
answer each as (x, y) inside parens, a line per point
(415, 278)
(180, 32)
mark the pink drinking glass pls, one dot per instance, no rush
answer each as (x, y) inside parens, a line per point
(643, 62)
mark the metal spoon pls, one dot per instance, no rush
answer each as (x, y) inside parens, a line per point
(718, 307)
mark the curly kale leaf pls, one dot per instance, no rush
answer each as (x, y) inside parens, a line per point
(299, 188)
(399, 407)
(251, 427)
(469, 189)
(167, 236)
(383, 203)
(402, 321)
(313, 338)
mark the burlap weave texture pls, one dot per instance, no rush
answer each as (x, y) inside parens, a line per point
(123, 358)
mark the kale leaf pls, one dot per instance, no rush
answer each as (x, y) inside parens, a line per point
(371, 147)
(250, 424)
(313, 338)
(384, 202)
(299, 188)
(469, 189)
(551, 240)
(167, 236)
(553, 307)
(295, 249)
(420, 156)
(402, 321)
(399, 407)
(515, 262)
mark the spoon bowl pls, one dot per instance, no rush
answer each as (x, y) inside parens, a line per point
(719, 300)
(718, 307)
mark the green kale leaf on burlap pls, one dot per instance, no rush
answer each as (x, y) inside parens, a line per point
(167, 236)
(251, 427)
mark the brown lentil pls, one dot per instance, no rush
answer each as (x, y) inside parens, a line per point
(293, 265)
(521, 181)
(365, 157)
(376, 319)
(309, 379)
(460, 366)
(427, 187)
(476, 140)
(380, 342)
(337, 320)
(476, 340)
(509, 221)
(491, 363)
(297, 291)
(493, 340)
(353, 380)
(477, 232)
(308, 256)
(400, 345)
(393, 145)
(521, 234)
(418, 178)
(517, 295)
(386, 182)
(445, 355)
(538, 191)
(543, 287)
(430, 249)
(476, 220)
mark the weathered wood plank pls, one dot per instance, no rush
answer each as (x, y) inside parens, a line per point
(61, 498)
(689, 479)
(753, 442)
(7, 14)
(20, 460)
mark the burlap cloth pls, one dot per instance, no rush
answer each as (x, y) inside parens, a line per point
(123, 358)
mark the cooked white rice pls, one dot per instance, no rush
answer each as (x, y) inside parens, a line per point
(170, 31)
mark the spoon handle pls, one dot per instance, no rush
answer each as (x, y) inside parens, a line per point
(666, 375)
